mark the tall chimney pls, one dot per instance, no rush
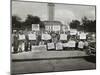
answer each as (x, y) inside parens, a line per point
(50, 11)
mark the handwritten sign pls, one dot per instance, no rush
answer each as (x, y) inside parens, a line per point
(73, 32)
(50, 45)
(71, 43)
(65, 44)
(59, 46)
(35, 27)
(80, 44)
(82, 36)
(21, 37)
(63, 37)
(32, 36)
(46, 37)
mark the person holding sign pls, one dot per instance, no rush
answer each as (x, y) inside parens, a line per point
(81, 45)
(59, 46)
(21, 41)
(15, 42)
(46, 38)
(63, 37)
(71, 44)
(32, 37)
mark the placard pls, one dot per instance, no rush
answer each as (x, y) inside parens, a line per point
(65, 45)
(21, 37)
(81, 44)
(71, 43)
(51, 45)
(32, 36)
(73, 32)
(63, 37)
(59, 46)
(35, 27)
(82, 36)
(46, 37)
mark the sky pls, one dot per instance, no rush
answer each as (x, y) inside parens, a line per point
(63, 12)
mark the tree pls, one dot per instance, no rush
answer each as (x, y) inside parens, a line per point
(74, 24)
(89, 25)
(31, 20)
(42, 25)
(16, 23)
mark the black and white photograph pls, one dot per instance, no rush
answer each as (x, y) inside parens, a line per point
(52, 37)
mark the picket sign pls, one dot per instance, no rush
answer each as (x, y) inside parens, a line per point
(63, 37)
(51, 46)
(32, 36)
(71, 43)
(81, 44)
(35, 27)
(65, 45)
(21, 37)
(38, 48)
(46, 37)
(59, 46)
(82, 36)
(73, 31)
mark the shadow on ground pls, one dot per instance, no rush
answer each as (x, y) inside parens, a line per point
(90, 59)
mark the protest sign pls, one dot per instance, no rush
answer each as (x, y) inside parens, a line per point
(59, 46)
(51, 46)
(73, 32)
(65, 44)
(32, 36)
(63, 37)
(35, 27)
(46, 37)
(81, 44)
(71, 43)
(82, 36)
(21, 37)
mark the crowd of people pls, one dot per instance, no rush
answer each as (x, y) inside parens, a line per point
(23, 41)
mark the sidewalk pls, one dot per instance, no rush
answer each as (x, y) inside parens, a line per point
(34, 55)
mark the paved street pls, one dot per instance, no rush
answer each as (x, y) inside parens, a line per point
(34, 66)
(47, 54)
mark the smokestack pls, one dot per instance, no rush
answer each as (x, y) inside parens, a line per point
(50, 11)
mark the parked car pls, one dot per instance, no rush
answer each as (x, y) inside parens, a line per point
(91, 51)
